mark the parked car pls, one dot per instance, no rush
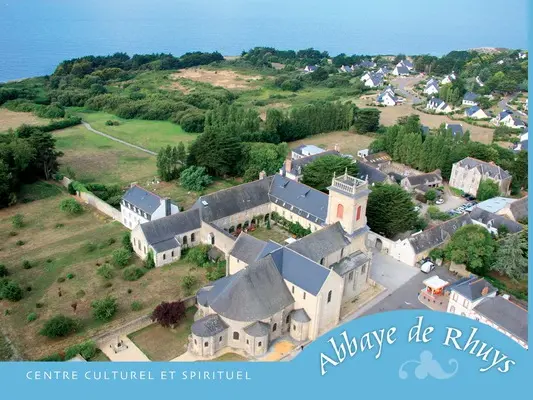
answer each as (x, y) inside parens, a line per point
(427, 267)
(439, 201)
(416, 209)
(470, 198)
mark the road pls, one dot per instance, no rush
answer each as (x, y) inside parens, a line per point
(503, 104)
(90, 128)
(404, 86)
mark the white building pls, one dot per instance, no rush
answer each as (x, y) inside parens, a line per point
(476, 113)
(448, 79)
(438, 105)
(432, 88)
(139, 206)
(469, 99)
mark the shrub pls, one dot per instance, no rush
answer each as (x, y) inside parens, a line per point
(431, 195)
(435, 213)
(121, 257)
(3, 271)
(169, 314)
(136, 306)
(89, 247)
(59, 326)
(70, 276)
(26, 264)
(149, 263)
(71, 206)
(39, 305)
(437, 254)
(108, 284)
(104, 309)
(133, 273)
(86, 349)
(217, 271)
(187, 283)
(195, 179)
(198, 254)
(20, 243)
(60, 279)
(59, 225)
(18, 221)
(110, 241)
(28, 288)
(106, 271)
(13, 233)
(31, 317)
(49, 260)
(10, 290)
(126, 241)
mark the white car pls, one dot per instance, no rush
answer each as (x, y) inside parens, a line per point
(427, 267)
(416, 209)
(439, 201)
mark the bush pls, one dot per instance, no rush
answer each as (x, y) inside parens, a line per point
(198, 254)
(108, 284)
(136, 306)
(13, 233)
(39, 305)
(217, 271)
(126, 241)
(187, 284)
(169, 314)
(70, 276)
(20, 243)
(26, 264)
(106, 271)
(437, 254)
(195, 179)
(133, 273)
(104, 309)
(18, 221)
(10, 290)
(112, 123)
(3, 271)
(71, 206)
(436, 214)
(431, 195)
(31, 317)
(120, 257)
(86, 349)
(59, 225)
(149, 263)
(59, 326)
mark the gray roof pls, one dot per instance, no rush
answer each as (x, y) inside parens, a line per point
(367, 64)
(473, 287)
(407, 63)
(431, 178)
(457, 129)
(493, 170)
(303, 200)
(348, 264)
(435, 102)
(370, 173)
(402, 70)
(298, 165)
(469, 96)
(504, 114)
(254, 293)
(258, 329)
(494, 220)
(518, 121)
(519, 208)
(164, 229)
(472, 110)
(321, 243)
(437, 235)
(143, 199)
(247, 248)
(376, 79)
(166, 245)
(234, 200)
(209, 326)
(506, 314)
(300, 315)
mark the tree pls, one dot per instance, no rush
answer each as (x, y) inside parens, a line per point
(10, 290)
(195, 179)
(46, 156)
(120, 257)
(487, 190)
(367, 120)
(126, 241)
(104, 309)
(71, 206)
(188, 282)
(511, 258)
(169, 314)
(168, 163)
(473, 246)
(519, 170)
(3, 271)
(59, 326)
(431, 195)
(259, 157)
(181, 153)
(149, 263)
(390, 211)
(198, 254)
(319, 173)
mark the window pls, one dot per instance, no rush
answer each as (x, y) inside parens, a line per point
(452, 309)
(220, 339)
(329, 295)
(292, 289)
(342, 253)
(465, 303)
(247, 341)
(363, 268)
(185, 240)
(172, 253)
(288, 319)
(350, 276)
(139, 245)
(164, 256)
(304, 295)
(293, 327)
(274, 327)
(340, 210)
(358, 215)
(322, 262)
(206, 344)
(235, 335)
(195, 342)
(454, 297)
(192, 237)
(259, 344)
(144, 249)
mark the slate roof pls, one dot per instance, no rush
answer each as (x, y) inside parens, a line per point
(376, 79)
(248, 248)
(472, 110)
(303, 200)
(350, 263)
(297, 166)
(300, 315)
(457, 129)
(161, 231)
(310, 149)
(430, 178)
(254, 293)
(321, 243)
(504, 114)
(437, 235)
(367, 64)
(370, 173)
(209, 326)
(234, 200)
(492, 220)
(495, 204)
(435, 102)
(505, 314)
(472, 288)
(402, 70)
(470, 96)
(143, 199)
(408, 63)
(257, 329)
(493, 170)
(165, 245)
(517, 121)
(519, 208)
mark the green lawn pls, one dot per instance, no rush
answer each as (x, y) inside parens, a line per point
(151, 135)
(230, 357)
(276, 234)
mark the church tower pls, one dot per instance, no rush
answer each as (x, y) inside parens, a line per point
(347, 202)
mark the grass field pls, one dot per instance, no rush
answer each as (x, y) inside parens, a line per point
(349, 143)
(94, 158)
(57, 245)
(276, 234)
(12, 119)
(151, 135)
(230, 357)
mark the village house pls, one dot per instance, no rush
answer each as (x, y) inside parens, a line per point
(383, 71)
(429, 180)
(522, 55)
(294, 168)
(296, 290)
(372, 174)
(401, 70)
(468, 173)
(502, 116)
(374, 80)
(522, 144)
(367, 64)
(438, 105)
(469, 99)
(516, 210)
(456, 129)
(475, 112)
(305, 150)
(467, 294)
(507, 118)
(346, 68)
(139, 206)
(448, 79)
(432, 88)
(493, 222)
(387, 98)
(310, 68)
(366, 76)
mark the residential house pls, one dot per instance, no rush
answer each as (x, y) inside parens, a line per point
(493, 222)
(522, 55)
(500, 118)
(367, 64)
(387, 99)
(293, 169)
(383, 70)
(372, 174)
(401, 70)
(467, 294)
(305, 150)
(496, 204)
(346, 68)
(408, 64)
(139, 206)
(479, 82)
(430, 180)
(366, 76)
(378, 159)
(468, 173)
(438, 105)
(431, 81)
(516, 210)
(374, 80)
(456, 129)
(432, 88)
(469, 99)
(522, 144)
(513, 122)
(310, 68)
(475, 112)
(448, 79)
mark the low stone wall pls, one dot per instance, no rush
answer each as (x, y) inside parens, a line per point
(380, 243)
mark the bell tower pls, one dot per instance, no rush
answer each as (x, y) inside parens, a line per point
(347, 202)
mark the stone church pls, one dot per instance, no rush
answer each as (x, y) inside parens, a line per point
(270, 290)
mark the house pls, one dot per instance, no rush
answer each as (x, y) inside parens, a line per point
(469, 99)
(438, 105)
(401, 70)
(431, 180)
(416, 247)
(468, 173)
(297, 291)
(378, 159)
(374, 80)
(367, 64)
(516, 210)
(372, 174)
(386, 98)
(310, 68)
(493, 222)
(456, 129)
(496, 204)
(500, 118)
(293, 169)
(407, 64)
(383, 70)
(522, 55)
(479, 82)
(305, 150)
(432, 88)
(522, 144)
(513, 122)
(448, 79)
(466, 294)
(475, 112)
(366, 76)
(346, 68)
(139, 206)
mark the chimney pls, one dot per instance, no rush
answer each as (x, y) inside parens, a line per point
(166, 202)
(288, 165)
(337, 147)
(485, 291)
(262, 175)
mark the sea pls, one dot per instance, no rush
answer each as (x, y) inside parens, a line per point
(35, 35)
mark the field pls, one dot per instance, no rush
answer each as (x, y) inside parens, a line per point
(12, 120)
(275, 234)
(349, 143)
(89, 157)
(151, 135)
(57, 245)
(225, 78)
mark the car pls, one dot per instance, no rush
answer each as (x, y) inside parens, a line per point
(470, 198)
(427, 267)
(417, 208)
(439, 201)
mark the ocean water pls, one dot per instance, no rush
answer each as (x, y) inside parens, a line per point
(35, 35)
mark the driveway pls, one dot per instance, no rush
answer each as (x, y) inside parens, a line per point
(390, 272)
(130, 351)
(404, 86)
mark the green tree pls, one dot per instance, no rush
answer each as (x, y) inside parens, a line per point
(487, 190)
(59, 326)
(195, 179)
(519, 170)
(390, 211)
(511, 257)
(168, 163)
(126, 241)
(120, 257)
(71, 206)
(10, 290)
(431, 195)
(367, 120)
(104, 309)
(473, 246)
(259, 157)
(46, 156)
(181, 153)
(319, 173)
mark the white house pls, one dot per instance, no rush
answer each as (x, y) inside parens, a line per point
(366, 76)
(305, 150)
(387, 99)
(432, 88)
(467, 294)
(438, 105)
(469, 99)
(401, 70)
(522, 55)
(476, 113)
(511, 121)
(346, 68)
(374, 80)
(383, 70)
(478, 81)
(310, 68)
(522, 145)
(448, 79)
(139, 206)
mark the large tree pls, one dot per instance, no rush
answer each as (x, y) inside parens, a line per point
(259, 157)
(390, 210)
(169, 314)
(511, 257)
(318, 174)
(367, 120)
(473, 246)
(487, 190)
(218, 151)
(195, 179)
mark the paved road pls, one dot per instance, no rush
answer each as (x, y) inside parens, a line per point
(503, 104)
(404, 86)
(89, 127)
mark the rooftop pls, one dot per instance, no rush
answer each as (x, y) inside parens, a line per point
(495, 204)
(506, 315)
